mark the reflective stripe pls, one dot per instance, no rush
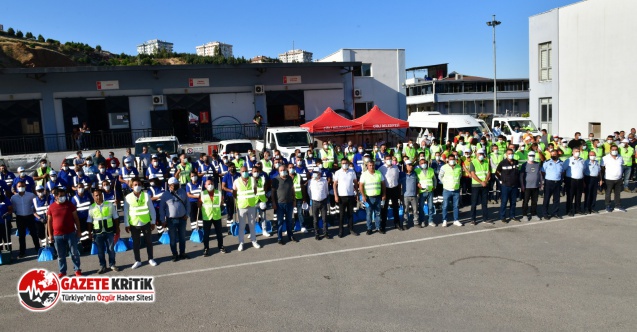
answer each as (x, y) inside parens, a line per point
(297, 187)
(451, 177)
(245, 194)
(81, 206)
(211, 209)
(138, 209)
(372, 183)
(425, 179)
(481, 170)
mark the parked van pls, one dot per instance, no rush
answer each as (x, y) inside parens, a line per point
(441, 126)
(508, 124)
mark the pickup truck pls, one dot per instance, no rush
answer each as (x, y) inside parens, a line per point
(239, 145)
(286, 140)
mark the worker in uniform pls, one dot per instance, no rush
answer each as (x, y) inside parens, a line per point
(531, 181)
(183, 170)
(155, 191)
(193, 192)
(300, 195)
(82, 201)
(372, 189)
(267, 161)
(102, 175)
(427, 182)
(90, 170)
(222, 170)
(495, 159)
(109, 194)
(612, 170)
(326, 155)
(103, 224)
(317, 191)
(553, 174)
(465, 181)
(6, 176)
(127, 174)
(173, 212)
(244, 192)
(207, 171)
(42, 173)
(139, 217)
(81, 178)
(66, 173)
(627, 152)
(55, 182)
(508, 172)
(345, 185)
(210, 206)
(326, 173)
(263, 185)
(592, 181)
(358, 160)
(41, 203)
(480, 176)
(450, 175)
(226, 186)
(251, 160)
(409, 193)
(155, 168)
(29, 183)
(573, 168)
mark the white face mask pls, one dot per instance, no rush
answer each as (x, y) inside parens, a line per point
(437, 157)
(622, 145)
(80, 190)
(510, 156)
(481, 157)
(344, 166)
(21, 189)
(137, 189)
(62, 199)
(614, 152)
(388, 162)
(255, 174)
(155, 164)
(102, 170)
(531, 159)
(452, 162)
(576, 154)
(592, 158)
(210, 187)
(194, 178)
(107, 188)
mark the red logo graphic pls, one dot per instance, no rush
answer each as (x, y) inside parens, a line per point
(39, 290)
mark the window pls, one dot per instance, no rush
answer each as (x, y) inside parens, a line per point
(546, 60)
(362, 108)
(363, 70)
(546, 109)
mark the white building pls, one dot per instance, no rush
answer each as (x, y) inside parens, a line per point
(210, 48)
(295, 56)
(581, 65)
(378, 81)
(154, 46)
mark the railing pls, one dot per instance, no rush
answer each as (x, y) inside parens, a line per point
(122, 138)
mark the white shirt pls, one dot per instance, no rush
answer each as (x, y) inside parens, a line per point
(391, 175)
(345, 182)
(613, 167)
(318, 189)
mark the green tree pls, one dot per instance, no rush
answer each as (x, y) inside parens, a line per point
(28, 35)
(40, 39)
(98, 48)
(19, 34)
(11, 32)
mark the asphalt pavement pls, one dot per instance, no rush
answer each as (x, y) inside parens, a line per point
(576, 273)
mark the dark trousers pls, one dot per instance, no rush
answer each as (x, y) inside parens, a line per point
(136, 232)
(321, 206)
(551, 189)
(229, 206)
(494, 188)
(611, 185)
(393, 195)
(591, 184)
(24, 222)
(5, 229)
(530, 194)
(346, 211)
(194, 211)
(465, 191)
(177, 233)
(207, 224)
(479, 195)
(510, 196)
(574, 195)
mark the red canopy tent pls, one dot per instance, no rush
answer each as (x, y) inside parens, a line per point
(376, 119)
(331, 122)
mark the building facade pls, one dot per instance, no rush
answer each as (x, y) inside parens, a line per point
(379, 80)
(209, 49)
(295, 56)
(154, 46)
(568, 46)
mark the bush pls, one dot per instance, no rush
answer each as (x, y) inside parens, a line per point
(19, 34)
(40, 39)
(28, 35)
(11, 32)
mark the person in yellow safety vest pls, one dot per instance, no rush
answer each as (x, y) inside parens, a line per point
(266, 163)
(426, 183)
(598, 148)
(450, 175)
(608, 144)
(424, 148)
(138, 214)
(300, 193)
(480, 176)
(502, 144)
(350, 151)
(103, 224)
(237, 160)
(435, 147)
(409, 150)
(627, 152)
(398, 150)
(465, 181)
(326, 154)
(372, 189)
(210, 207)
(494, 186)
(42, 173)
(183, 170)
(338, 154)
(245, 193)
(262, 182)
(566, 151)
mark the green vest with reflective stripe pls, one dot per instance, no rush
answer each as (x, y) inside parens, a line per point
(482, 170)
(238, 163)
(567, 153)
(267, 166)
(40, 173)
(627, 154)
(496, 159)
(426, 179)
(409, 152)
(184, 174)
(372, 183)
(211, 208)
(329, 155)
(451, 177)
(297, 187)
(245, 194)
(261, 190)
(138, 208)
(102, 220)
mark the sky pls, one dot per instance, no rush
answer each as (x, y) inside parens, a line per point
(431, 32)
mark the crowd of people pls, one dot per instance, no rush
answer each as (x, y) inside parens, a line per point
(412, 184)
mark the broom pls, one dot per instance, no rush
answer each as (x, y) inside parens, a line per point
(46, 255)
(196, 236)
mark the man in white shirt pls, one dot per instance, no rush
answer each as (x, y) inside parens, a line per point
(391, 173)
(612, 170)
(23, 208)
(318, 191)
(345, 184)
(516, 137)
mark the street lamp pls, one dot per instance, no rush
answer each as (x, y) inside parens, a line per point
(494, 24)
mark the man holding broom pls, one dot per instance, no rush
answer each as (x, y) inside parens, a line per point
(64, 230)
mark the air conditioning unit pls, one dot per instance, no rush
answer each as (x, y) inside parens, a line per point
(158, 100)
(259, 89)
(358, 93)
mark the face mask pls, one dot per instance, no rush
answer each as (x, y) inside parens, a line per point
(576, 154)
(366, 159)
(107, 188)
(344, 166)
(210, 187)
(61, 199)
(80, 190)
(23, 175)
(236, 156)
(21, 189)
(102, 170)
(255, 174)
(80, 173)
(592, 158)
(614, 152)
(113, 165)
(387, 162)
(292, 171)
(183, 162)
(129, 165)
(622, 145)
(137, 188)
(609, 141)
(284, 173)
(110, 156)
(79, 155)
(531, 159)
(153, 183)
(325, 146)
(40, 193)
(43, 165)
(452, 162)
(194, 178)
(89, 162)
(319, 166)
(155, 164)
(481, 157)
(315, 176)
(245, 175)
(423, 166)
(53, 178)
(309, 155)
(500, 141)
(509, 156)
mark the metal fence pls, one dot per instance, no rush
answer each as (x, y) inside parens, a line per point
(122, 138)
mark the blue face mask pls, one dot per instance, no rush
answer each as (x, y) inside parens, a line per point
(245, 175)
(284, 173)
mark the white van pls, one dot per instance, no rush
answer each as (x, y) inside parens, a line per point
(441, 126)
(508, 124)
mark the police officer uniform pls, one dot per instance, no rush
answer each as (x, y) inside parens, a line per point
(552, 170)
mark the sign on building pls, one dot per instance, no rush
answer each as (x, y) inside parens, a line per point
(292, 79)
(107, 85)
(196, 82)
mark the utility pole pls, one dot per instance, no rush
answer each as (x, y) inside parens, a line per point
(493, 24)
